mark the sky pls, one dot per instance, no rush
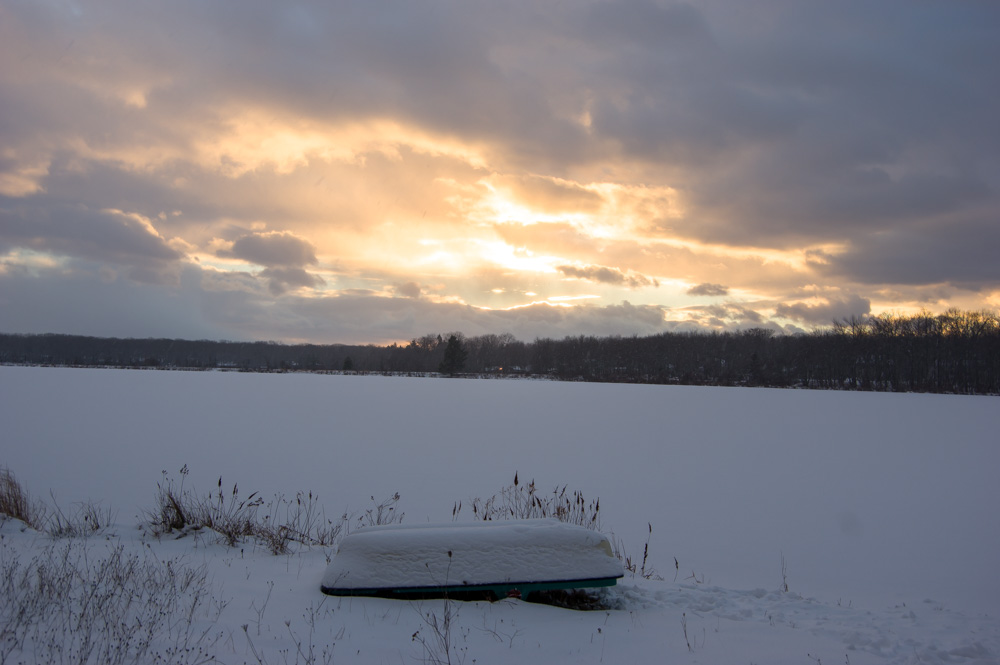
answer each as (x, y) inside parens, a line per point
(373, 172)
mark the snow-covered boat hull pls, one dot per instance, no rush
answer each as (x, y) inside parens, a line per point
(478, 559)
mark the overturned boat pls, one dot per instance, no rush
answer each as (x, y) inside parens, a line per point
(471, 560)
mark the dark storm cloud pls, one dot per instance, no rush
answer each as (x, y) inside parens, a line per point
(274, 250)
(962, 253)
(109, 185)
(645, 25)
(76, 231)
(816, 121)
(429, 63)
(39, 301)
(847, 204)
(707, 289)
(667, 88)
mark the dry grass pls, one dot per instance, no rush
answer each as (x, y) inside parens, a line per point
(520, 502)
(276, 524)
(15, 502)
(85, 520)
(67, 606)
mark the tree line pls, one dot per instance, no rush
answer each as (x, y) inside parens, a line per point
(954, 352)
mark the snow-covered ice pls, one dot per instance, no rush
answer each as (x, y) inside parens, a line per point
(882, 506)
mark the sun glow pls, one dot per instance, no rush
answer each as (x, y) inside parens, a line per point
(501, 206)
(511, 258)
(251, 140)
(30, 260)
(551, 301)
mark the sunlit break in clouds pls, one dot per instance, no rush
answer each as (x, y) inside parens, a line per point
(373, 172)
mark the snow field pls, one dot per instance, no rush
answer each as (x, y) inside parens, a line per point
(883, 507)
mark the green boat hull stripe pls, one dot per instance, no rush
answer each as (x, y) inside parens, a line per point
(499, 590)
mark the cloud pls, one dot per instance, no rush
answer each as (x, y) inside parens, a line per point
(106, 308)
(461, 154)
(640, 254)
(281, 280)
(104, 235)
(22, 179)
(408, 290)
(961, 253)
(607, 275)
(378, 319)
(126, 240)
(646, 26)
(274, 249)
(549, 237)
(549, 195)
(707, 289)
(826, 310)
(284, 256)
(207, 303)
(778, 135)
(726, 316)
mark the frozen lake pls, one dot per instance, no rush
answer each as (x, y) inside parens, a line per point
(876, 497)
